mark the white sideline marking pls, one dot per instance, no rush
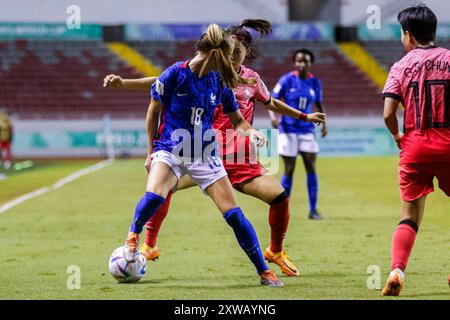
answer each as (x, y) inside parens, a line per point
(23, 198)
(80, 173)
(57, 185)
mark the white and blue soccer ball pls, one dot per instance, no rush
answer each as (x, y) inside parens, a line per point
(126, 271)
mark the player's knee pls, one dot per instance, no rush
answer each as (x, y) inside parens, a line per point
(412, 223)
(158, 190)
(311, 170)
(283, 196)
(289, 171)
(414, 218)
(225, 207)
(310, 167)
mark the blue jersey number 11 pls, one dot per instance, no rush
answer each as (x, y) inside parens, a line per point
(302, 103)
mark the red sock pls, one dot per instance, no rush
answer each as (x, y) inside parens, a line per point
(278, 220)
(155, 222)
(402, 244)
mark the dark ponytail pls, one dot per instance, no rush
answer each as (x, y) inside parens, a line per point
(216, 41)
(263, 27)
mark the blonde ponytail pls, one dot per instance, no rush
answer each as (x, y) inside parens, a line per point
(217, 42)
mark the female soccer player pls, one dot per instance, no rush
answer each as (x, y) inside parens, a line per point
(300, 89)
(183, 102)
(246, 176)
(421, 81)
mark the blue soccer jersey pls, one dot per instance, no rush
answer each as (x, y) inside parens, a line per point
(301, 95)
(189, 104)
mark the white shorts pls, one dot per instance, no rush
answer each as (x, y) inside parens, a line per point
(204, 173)
(291, 144)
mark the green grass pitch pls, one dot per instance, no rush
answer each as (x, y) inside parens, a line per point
(83, 222)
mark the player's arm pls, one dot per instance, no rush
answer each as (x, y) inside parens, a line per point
(392, 95)
(321, 108)
(278, 93)
(278, 106)
(116, 81)
(243, 127)
(161, 91)
(318, 101)
(390, 119)
(151, 121)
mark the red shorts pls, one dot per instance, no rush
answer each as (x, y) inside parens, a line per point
(240, 173)
(416, 179)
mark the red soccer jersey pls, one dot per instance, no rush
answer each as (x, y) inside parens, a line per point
(421, 81)
(246, 94)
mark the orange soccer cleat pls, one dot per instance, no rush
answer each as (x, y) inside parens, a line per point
(269, 278)
(150, 253)
(394, 283)
(282, 260)
(131, 251)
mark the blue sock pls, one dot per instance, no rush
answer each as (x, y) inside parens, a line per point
(286, 182)
(246, 236)
(313, 189)
(145, 209)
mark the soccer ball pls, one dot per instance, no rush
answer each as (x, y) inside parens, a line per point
(125, 271)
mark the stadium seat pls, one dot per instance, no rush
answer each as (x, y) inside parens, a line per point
(63, 79)
(74, 72)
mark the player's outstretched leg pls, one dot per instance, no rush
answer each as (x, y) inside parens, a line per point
(160, 181)
(402, 244)
(279, 221)
(223, 196)
(145, 209)
(149, 248)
